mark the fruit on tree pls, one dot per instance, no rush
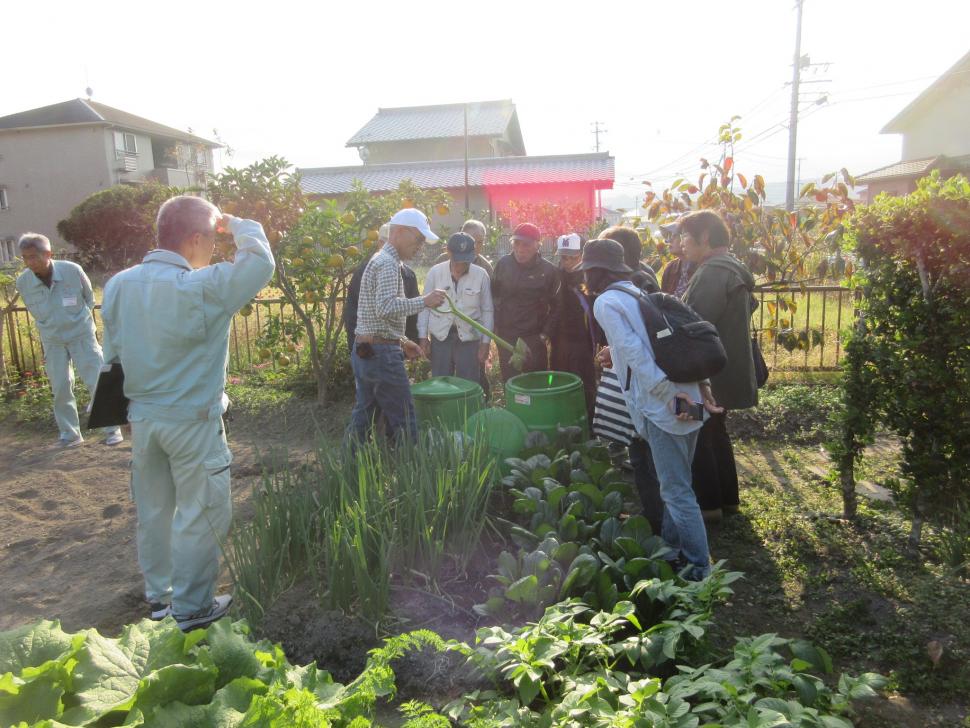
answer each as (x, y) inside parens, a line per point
(373, 234)
(265, 353)
(283, 360)
(348, 218)
(247, 310)
(442, 210)
(308, 240)
(297, 262)
(352, 250)
(335, 261)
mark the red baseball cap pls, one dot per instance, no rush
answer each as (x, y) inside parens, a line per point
(526, 231)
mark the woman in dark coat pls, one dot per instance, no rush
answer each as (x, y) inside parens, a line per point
(720, 292)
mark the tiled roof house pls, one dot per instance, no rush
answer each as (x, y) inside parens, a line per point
(426, 144)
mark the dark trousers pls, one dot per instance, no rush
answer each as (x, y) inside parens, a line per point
(714, 472)
(382, 385)
(647, 484)
(538, 361)
(575, 355)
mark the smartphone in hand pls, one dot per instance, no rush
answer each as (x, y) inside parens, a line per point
(694, 410)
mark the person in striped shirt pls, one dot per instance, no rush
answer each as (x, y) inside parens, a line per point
(380, 346)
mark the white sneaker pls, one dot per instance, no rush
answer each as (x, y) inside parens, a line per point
(159, 610)
(113, 438)
(65, 444)
(205, 617)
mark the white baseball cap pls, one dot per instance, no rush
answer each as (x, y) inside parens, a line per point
(571, 244)
(410, 217)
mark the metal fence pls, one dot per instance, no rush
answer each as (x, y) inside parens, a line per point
(827, 310)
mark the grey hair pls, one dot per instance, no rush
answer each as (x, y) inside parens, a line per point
(476, 225)
(181, 217)
(384, 233)
(36, 241)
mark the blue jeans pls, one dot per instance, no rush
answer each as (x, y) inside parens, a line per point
(382, 381)
(454, 357)
(683, 526)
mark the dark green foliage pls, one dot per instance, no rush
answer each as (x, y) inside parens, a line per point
(114, 228)
(916, 369)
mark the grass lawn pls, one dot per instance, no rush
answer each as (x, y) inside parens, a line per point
(847, 587)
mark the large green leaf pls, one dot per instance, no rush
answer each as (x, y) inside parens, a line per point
(109, 672)
(34, 701)
(580, 574)
(32, 646)
(524, 590)
(232, 652)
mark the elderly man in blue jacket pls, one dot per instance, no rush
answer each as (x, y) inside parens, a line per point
(58, 295)
(167, 321)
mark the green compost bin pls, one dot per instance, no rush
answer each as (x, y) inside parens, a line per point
(503, 432)
(446, 402)
(546, 401)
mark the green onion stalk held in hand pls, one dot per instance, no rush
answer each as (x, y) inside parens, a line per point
(520, 352)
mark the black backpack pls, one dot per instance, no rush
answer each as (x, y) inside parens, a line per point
(685, 346)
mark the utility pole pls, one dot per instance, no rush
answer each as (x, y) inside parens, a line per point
(599, 193)
(467, 205)
(793, 120)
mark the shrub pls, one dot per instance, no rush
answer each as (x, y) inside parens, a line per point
(114, 228)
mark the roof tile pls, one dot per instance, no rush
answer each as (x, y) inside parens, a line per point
(597, 168)
(445, 121)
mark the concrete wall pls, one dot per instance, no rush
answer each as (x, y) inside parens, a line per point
(47, 172)
(144, 157)
(897, 187)
(942, 129)
(423, 150)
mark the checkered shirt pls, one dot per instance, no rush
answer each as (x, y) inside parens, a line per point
(383, 309)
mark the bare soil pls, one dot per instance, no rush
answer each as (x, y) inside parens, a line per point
(67, 549)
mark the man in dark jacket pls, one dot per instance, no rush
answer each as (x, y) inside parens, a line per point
(572, 336)
(720, 292)
(524, 290)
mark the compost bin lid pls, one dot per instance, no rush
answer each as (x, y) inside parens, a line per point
(445, 388)
(502, 429)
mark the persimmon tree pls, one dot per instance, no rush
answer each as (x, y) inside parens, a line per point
(780, 248)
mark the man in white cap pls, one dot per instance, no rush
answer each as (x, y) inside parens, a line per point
(58, 295)
(572, 340)
(167, 321)
(454, 347)
(380, 345)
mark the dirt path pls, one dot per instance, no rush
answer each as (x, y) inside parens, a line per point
(67, 547)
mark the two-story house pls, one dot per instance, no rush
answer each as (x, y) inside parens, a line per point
(53, 157)
(427, 145)
(936, 135)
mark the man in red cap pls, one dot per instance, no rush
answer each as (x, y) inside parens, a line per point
(525, 291)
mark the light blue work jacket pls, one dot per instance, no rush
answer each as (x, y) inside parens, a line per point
(168, 325)
(63, 311)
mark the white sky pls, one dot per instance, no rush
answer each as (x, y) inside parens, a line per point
(299, 79)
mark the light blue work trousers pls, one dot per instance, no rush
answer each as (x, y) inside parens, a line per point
(180, 485)
(85, 354)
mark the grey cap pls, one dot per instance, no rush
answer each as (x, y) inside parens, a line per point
(606, 254)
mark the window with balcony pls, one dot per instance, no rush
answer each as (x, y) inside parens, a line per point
(125, 142)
